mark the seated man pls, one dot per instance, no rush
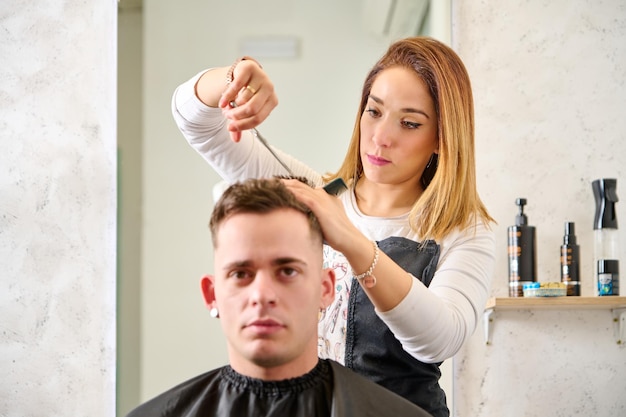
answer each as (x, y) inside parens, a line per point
(268, 290)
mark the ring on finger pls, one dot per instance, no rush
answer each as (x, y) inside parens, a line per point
(252, 90)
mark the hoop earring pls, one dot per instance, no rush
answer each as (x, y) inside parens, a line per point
(430, 170)
(214, 312)
(430, 161)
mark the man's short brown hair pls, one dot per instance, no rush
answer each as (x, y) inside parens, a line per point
(259, 196)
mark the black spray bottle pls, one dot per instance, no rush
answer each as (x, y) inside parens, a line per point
(522, 252)
(570, 261)
(606, 247)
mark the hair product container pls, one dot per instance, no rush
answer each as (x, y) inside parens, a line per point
(521, 252)
(570, 260)
(605, 240)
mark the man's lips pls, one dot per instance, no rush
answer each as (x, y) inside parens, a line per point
(264, 326)
(377, 160)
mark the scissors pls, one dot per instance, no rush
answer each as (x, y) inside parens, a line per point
(335, 187)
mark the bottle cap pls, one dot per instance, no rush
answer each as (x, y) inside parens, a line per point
(569, 238)
(608, 266)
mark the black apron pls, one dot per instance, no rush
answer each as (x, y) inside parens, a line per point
(371, 348)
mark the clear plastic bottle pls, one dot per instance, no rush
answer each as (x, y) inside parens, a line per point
(606, 238)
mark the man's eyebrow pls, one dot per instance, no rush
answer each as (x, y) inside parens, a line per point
(288, 260)
(404, 110)
(278, 261)
(237, 264)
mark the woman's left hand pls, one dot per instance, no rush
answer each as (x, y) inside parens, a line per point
(338, 230)
(392, 283)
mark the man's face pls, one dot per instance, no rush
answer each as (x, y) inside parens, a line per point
(269, 287)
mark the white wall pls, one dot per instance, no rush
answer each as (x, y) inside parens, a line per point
(319, 92)
(548, 78)
(57, 208)
(549, 90)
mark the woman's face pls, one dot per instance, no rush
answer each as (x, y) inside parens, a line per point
(398, 128)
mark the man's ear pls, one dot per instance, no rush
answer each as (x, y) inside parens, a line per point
(328, 287)
(208, 290)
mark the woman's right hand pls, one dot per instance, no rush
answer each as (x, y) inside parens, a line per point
(251, 89)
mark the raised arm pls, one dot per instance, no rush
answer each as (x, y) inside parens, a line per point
(209, 128)
(248, 85)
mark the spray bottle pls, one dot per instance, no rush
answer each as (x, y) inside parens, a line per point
(570, 261)
(606, 245)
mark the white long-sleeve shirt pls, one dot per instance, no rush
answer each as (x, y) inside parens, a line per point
(432, 323)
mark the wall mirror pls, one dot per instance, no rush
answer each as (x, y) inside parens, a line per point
(317, 53)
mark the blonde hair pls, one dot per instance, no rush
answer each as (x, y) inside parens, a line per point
(450, 199)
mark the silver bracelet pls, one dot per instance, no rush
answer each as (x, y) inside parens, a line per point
(367, 278)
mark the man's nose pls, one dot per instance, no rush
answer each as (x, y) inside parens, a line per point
(263, 289)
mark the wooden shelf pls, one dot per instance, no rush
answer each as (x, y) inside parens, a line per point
(562, 303)
(617, 305)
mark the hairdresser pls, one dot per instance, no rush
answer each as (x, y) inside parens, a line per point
(410, 240)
